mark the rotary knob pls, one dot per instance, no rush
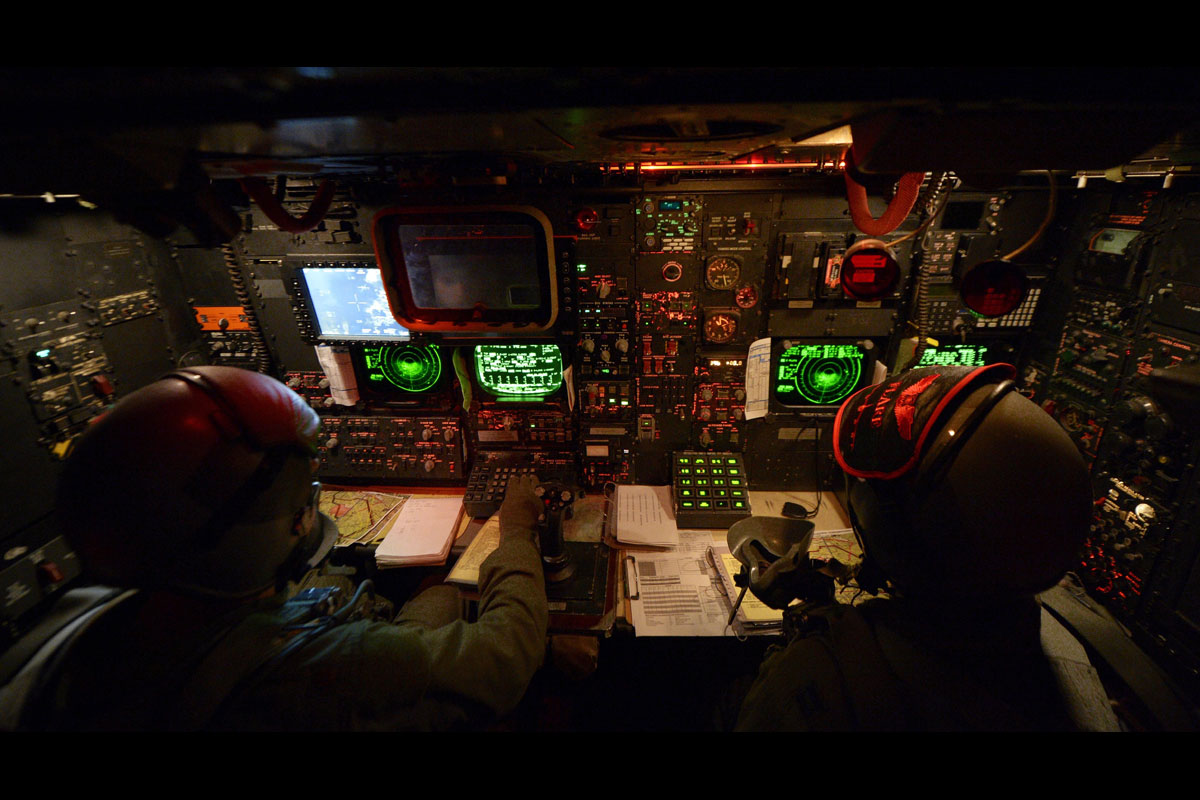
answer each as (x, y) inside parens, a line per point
(426, 434)
(589, 346)
(706, 394)
(448, 434)
(605, 355)
(622, 345)
(706, 414)
(332, 443)
(429, 465)
(604, 289)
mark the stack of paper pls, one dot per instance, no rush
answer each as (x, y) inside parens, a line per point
(422, 533)
(644, 515)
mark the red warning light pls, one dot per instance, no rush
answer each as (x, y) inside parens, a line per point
(869, 272)
(586, 219)
(994, 288)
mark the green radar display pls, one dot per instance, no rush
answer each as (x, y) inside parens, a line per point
(408, 367)
(818, 374)
(516, 372)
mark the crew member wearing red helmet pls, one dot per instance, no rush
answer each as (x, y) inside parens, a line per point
(196, 495)
(968, 500)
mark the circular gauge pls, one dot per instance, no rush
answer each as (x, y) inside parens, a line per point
(722, 273)
(672, 271)
(746, 297)
(720, 328)
(410, 367)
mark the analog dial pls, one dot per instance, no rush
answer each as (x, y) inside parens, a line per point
(722, 273)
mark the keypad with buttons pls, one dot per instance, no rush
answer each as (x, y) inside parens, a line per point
(710, 489)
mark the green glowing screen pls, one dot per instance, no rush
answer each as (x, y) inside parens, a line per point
(519, 371)
(818, 374)
(408, 367)
(954, 355)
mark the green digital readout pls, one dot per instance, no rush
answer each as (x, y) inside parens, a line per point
(408, 367)
(818, 374)
(954, 355)
(519, 371)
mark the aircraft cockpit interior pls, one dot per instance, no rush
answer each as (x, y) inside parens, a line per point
(648, 288)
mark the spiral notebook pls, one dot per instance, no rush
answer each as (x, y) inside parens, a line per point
(422, 533)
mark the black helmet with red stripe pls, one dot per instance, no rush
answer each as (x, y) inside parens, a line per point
(201, 482)
(960, 487)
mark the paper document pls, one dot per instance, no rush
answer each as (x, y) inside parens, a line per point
(645, 515)
(758, 378)
(361, 517)
(338, 367)
(675, 593)
(752, 611)
(487, 539)
(422, 532)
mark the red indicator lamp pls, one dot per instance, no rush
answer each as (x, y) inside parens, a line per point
(993, 288)
(586, 219)
(869, 270)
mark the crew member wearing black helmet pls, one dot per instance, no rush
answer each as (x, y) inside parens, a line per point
(968, 500)
(196, 495)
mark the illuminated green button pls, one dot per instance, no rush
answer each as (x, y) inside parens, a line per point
(702, 492)
(722, 503)
(719, 482)
(685, 481)
(718, 471)
(702, 481)
(686, 492)
(731, 461)
(684, 460)
(701, 461)
(739, 503)
(688, 503)
(720, 493)
(737, 492)
(701, 471)
(705, 504)
(735, 482)
(685, 471)
(734, 471)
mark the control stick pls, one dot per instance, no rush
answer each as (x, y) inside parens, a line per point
(556, 499)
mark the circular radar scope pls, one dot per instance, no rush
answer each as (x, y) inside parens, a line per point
(826, 374)
(410, 367)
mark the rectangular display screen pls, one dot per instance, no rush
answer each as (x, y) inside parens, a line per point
(954, 355)
(349, 304)
(460, 266)
(1113, 241)
(962, 216)
(818, 374)
(519, 372)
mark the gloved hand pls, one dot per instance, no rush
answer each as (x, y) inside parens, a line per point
(520, 510)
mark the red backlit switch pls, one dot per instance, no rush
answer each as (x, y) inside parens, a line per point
(49, 572)
(102, 386)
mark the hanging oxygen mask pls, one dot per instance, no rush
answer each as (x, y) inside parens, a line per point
(776, 567)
